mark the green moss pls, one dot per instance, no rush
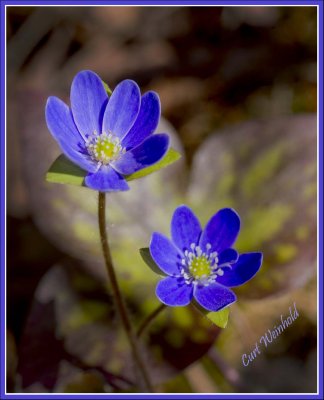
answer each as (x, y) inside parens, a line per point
(285, 252)
(58, 204)
(179, 384)
(85, 382)
(226, 183)
(183, 317)
(264, 283)
(83, 283)
(262, 225)
(176, 338)
(85, 232)
(216, 376)
(87, 312)
(119, 347)
(199, 335)
(277, 277)
(227, 160)
(311, 170)
(127, 259)
(263, 168)
(310, 190)
(302, 232)
(86, 200)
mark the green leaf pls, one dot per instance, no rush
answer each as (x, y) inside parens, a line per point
(64, 171)
(147, 258)
(107, 88)
(171, 156)
(219, 318)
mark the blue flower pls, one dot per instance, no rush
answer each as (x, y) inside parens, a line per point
(109, 137)
(202, 264)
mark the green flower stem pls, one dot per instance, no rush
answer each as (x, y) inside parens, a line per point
(150, 318)
(120, 303)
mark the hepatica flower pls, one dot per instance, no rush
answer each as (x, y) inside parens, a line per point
(202, 264)
(109, 137)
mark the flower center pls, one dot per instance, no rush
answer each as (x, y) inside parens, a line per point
(199, 267)
(104, 148)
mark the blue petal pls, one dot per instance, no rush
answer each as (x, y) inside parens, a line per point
(228, 256)
(166, 255)
(88, 102)
(106, 179)
(146, 121)
(221, 231)
(214, 297)
(246, 267)
(61, 125)
(174, 292)
(147, 153)
(185, 228)
(122, 109)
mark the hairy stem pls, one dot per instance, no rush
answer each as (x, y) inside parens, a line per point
(120, 303)
(146, 322)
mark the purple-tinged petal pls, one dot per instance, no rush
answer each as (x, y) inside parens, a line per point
(246, 267)
(106, 179)
(88, 102)
(61, 125)
(147, 153)
(228, 256)
(165, 254)
(221, 231)
(122, 109)
(214, 297)
(185, 228)
(174, 292)
(146, 121)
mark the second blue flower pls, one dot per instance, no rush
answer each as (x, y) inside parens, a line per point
(202, 264)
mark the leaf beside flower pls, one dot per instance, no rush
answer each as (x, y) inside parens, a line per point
(218, 318)
(147, 258)
(107, 88)
(64, 171)
(170, 157)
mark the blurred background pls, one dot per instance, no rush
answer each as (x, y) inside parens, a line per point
(239, 96)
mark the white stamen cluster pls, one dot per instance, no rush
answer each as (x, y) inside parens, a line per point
(200, 267)
(104, 148)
